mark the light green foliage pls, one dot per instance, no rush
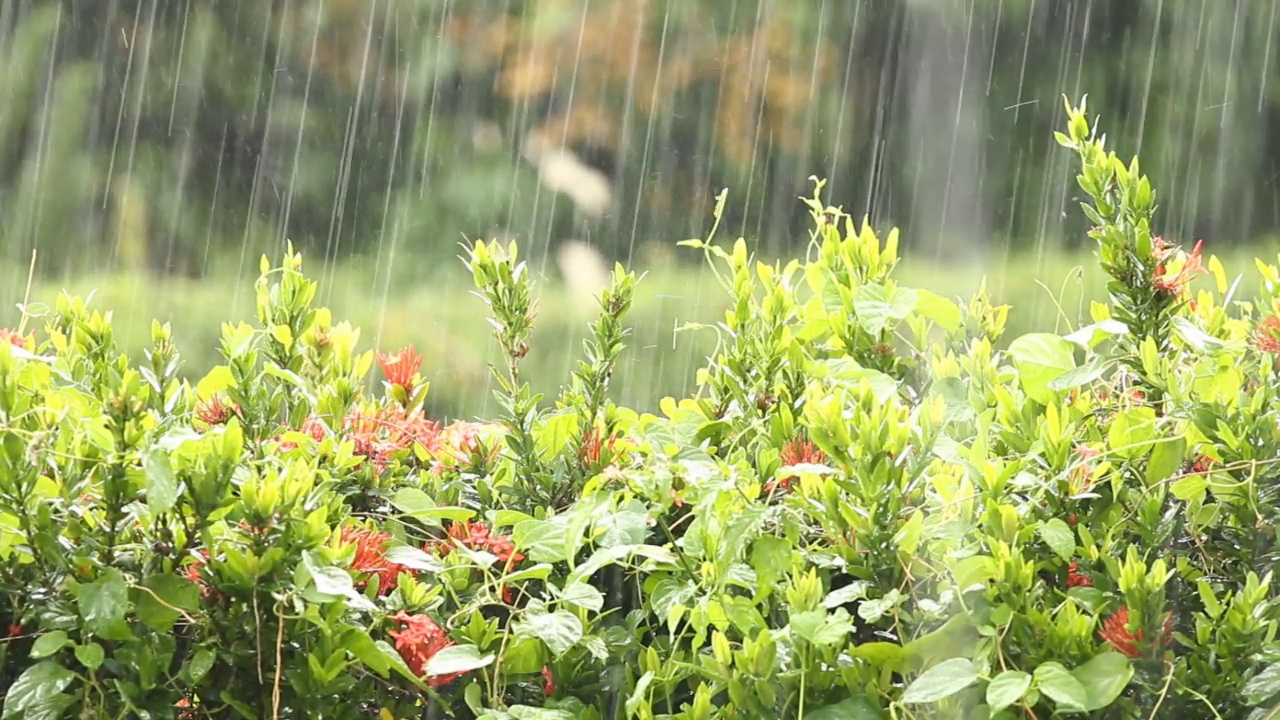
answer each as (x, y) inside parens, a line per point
(867, 509)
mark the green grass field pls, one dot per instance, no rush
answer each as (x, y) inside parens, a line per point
(447, 324)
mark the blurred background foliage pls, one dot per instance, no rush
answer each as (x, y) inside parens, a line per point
(154, 148)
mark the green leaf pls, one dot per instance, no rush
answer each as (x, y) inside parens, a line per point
(858, 707)
(941, 681)
(162, 488)
(876, 308)
(159, 599)
(559, 630)
(414, 558)
(199, 665)
(1132, 432)
(855, 590)
(90, 655)
(1090, 336)
(1059, 537)
(103, 605)
(418, 505)
(1166, 459)
(457, 659)
(1041, 358)
(1007, 688)
(1095, 368)
(945, 313)
(1104, 677)
(36, 684)
(639, 693)
(1263, 686)
(584, 596)
(541, 540)
(873, 610)
(1054, 682)
(819, 628)
(48, 644)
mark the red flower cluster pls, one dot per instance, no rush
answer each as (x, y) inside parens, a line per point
(1075, 578)
(312, 426)
(1266, 337)
(215, 411)
(194, 574)
(596, 451)
(11, 336)
(418, 642)
(1177, 283)
(549, 688)
(379, 432)
(15, 629)
(401, 367)
(797, 451)
(371, 558)
(1203, 465)
(460, 443)
(1115, 630)
(478, 536)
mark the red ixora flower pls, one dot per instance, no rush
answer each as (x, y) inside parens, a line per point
(1266, 337)
(312, 426)
(1075, 578)
(1176, 283)
(549, 688)
(13, 337)
(1115, 630)
(418, 642)
(401, 367)
(381, 431)
(15, 629)
(1202, 465)
(194, 575)
(215, 411)
(478, 536)
(371, 558)
(461, 443)
(596, 450)
(797, 451)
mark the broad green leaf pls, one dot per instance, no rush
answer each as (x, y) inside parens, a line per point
(541, 540)
(90, 655)
(103, 605)
(1166, 459)
(559, 630)
(162, 487)
(1007, 688)
(1041, 358)
(1132, 432)
(877, 309)
(819, 628)
(1054, 682)
(1080, 376)
(873, 610)
(49, 643)
(1090, 336)
(855, 590)
(457, 659)
(161, 598)
(1263, 686)
(36, 684)
(1104, 677)
(418, 505)
(415, 558)
(199, 665)
(584, 596)
(941, 681)
(218, 380)
(945, 313)
(1059, 537)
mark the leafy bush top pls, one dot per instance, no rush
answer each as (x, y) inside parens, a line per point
(866, 511)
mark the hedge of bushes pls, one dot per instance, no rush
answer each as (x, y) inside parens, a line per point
(866, 511)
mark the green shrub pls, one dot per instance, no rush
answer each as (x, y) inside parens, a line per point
(866, 510)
